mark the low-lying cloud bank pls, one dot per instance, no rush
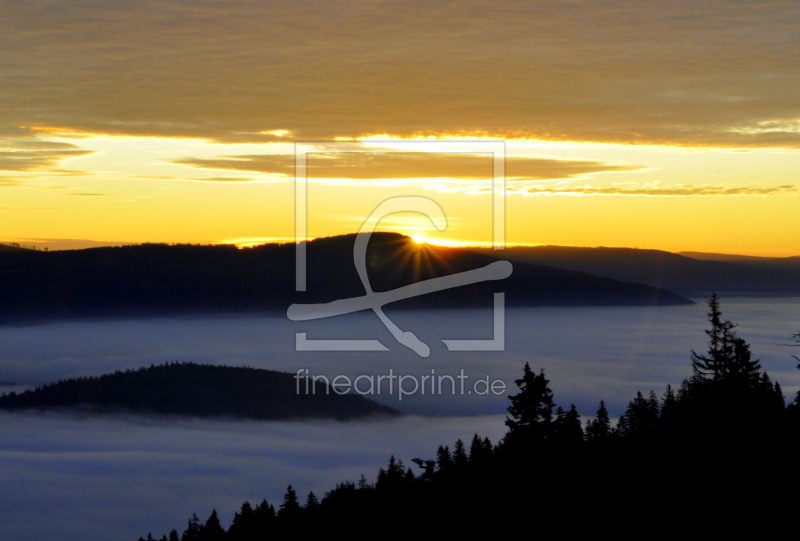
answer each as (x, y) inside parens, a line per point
(73, 478)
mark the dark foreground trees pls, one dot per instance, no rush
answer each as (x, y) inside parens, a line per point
(531, 410)
(721, 450)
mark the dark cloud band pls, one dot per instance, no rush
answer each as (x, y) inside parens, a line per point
(404, 165)
(686, 72)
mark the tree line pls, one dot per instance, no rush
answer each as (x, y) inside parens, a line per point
(720, 449)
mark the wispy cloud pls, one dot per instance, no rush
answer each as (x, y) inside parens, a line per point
(11, 181)
(224, 179)
(684, 190)
(36, 160)
(31, 208)
(34, 154)
(407, 165)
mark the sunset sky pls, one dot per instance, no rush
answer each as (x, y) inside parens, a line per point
(649, 124)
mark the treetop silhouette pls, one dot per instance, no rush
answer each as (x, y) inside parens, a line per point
(531, 409)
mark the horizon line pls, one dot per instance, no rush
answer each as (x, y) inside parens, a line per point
(51, 245)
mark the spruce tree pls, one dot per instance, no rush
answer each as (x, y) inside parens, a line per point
(599, 429)
(716, 363)
(487, 447)
(392, 476)
(476, 449)
(192, 531)
(640, 417)
(243, 523)
(531, 410)
(212, 530)
(729, 390)
(363, 484)
(443, 458)
(459, 454)
(728, 358)
(312, 502)
(290, 506)
(743, 368)
(780, 400)
(567, 430)
(264, 511)
(263, 519)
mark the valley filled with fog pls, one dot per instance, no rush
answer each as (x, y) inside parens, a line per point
(76, 476)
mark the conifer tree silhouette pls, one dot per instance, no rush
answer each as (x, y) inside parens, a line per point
(567, 430)
(212, 530)
(476, 450)
(640, 417)
(716, 363)
(363, 484)
(290, 506)
(487, 447)
(444, 459)
(599, 429)
(244, 525)
(311, 502)
(531, 410)
(192, 532)
(459, 454)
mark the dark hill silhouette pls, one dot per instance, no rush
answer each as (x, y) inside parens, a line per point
(395, 260)
(156, 278)
(784, 264)
(674, 272)
(712, 256)
(13, 248)
(198, 390)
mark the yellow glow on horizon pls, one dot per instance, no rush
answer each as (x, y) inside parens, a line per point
(255, 241)
(130, 190)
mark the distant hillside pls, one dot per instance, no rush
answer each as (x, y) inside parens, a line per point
(197, 390)
(395, 260)
(13, 247)
(710, 256)
(160, 279)
(674, 272)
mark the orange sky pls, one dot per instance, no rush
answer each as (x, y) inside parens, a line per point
(650, 124)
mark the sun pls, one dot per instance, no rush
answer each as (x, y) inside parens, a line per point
(419, 239)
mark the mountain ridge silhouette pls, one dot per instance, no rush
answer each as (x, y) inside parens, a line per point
(158, 279)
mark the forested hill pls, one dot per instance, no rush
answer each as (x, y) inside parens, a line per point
(198, 390)
(675, 272)
(156, 278)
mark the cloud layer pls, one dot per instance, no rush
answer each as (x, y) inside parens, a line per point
(115, 478)
(404, 165)
(33, 154)
(685, 72)
(74, 478)
(684, 190)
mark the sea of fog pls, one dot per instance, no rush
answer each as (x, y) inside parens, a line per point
(74, 477)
